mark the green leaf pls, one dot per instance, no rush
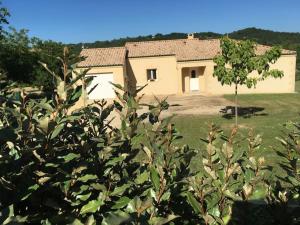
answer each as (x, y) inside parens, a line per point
(193, 202)
(91, 207)
(57, 130)
(6, 213)
(258, 193)
(120, 190)
(249, 175)
(215, 212)
(115, 218)
(98, 187)
(44, 124)
(29, 191)
(118, 86)
(76, 222)
(87, 177)
(114, 161)
(162, 220)
(122, 202)
(90, 220)
(70, 157)
(142, 178)
(84, 197)
(233, 196)
(293, 181)
(77, 93)
(155, 178)
(166, 196)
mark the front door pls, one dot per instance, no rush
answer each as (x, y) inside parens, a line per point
(194, 81)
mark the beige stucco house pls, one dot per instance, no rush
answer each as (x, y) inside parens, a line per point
(172, 67)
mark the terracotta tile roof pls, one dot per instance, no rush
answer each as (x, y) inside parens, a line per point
(182, 49)
(103, 57)
(261, 49)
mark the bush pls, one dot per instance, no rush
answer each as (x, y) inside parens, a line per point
(64, 166)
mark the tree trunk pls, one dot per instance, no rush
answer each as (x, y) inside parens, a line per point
(236, 105)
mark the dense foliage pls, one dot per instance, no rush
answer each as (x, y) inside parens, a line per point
(20, 56)
(60, 165)
(3, 17)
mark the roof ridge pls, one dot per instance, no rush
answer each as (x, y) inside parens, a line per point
(119, 47)
(168, 40)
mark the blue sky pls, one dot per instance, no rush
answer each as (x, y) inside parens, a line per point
(90, 20)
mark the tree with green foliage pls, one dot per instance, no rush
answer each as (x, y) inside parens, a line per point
(20, 57)
(48, 52)
(16, 58)
(3, 17)
(238, 60)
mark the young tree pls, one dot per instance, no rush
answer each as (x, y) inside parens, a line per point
(239, 59)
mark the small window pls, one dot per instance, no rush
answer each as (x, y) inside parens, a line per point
(193, 74)
(151, 75)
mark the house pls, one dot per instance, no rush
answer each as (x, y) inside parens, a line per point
(171, 67)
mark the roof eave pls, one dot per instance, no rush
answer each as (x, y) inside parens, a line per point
(109, 65)
(148, 56)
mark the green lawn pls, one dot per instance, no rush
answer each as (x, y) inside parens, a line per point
(276, 110)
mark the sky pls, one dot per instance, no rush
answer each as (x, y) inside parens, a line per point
(74, 21)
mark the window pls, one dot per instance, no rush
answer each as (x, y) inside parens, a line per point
(151, 75)
(193, 74)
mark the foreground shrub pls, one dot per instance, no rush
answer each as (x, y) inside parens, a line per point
(61, 166)
(226, 174)
(64, 166)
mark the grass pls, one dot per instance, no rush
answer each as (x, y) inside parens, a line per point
(276, 110)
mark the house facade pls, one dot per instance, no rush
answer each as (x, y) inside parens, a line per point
(173, 67)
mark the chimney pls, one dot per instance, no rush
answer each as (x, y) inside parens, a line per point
(191, 36)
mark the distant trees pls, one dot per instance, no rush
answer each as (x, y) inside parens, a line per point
(238, 60)
(20, 57)
(3, 17)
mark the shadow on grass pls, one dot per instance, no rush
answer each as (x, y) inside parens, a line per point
(245, 112)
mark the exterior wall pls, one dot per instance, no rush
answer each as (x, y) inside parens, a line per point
(286, 63)
(210, 84)
(167, 80)
(174, 77)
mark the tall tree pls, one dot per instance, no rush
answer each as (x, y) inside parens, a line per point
(3, 17)
(238, 60)
(17, 59)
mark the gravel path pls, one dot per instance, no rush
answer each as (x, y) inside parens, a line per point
(194, 104)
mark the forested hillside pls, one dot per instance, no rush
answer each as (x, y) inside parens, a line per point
(267, 37)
